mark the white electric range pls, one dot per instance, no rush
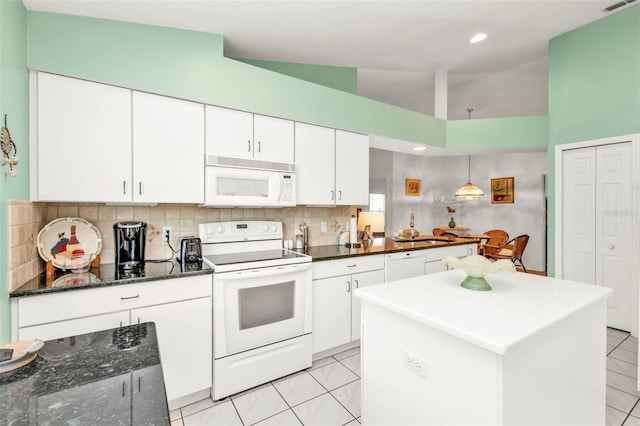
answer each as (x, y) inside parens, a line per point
(261, 304)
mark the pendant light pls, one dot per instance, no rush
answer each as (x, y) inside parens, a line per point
(469, 191)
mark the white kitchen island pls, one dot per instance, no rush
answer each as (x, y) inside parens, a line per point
(532, 351)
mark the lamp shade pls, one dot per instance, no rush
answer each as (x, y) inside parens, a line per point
(375, 219)
(469, 192)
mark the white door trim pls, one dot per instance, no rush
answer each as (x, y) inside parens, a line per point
(635, 229)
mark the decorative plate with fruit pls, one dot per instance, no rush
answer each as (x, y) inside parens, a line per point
(69, 243)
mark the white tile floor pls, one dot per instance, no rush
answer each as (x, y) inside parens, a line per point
(328, 393)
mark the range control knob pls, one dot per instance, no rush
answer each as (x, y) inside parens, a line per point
(265, 227)
(210, 230)
(274, 228)
(220, 229)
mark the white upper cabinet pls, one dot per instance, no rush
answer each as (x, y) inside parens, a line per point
(239, 134)
(272, 139)
(352, 168)
(168, 150)
(83, 141)
(332, 166)
(229, 133)
(101, 143)
(315, 159)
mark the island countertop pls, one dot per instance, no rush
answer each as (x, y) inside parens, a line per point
(107, 377)
(518, 306)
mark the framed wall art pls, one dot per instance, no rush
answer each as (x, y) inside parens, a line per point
(502, 190)
(412, 187)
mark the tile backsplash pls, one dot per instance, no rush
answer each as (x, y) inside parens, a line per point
(27, 218)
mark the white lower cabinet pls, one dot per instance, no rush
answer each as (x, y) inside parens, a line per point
(181, 308)
(185, 370)
(336, 312)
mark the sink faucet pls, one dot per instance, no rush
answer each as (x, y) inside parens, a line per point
(411, 225)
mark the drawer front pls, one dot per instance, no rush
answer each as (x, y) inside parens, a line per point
(81, 303)
(351, 265)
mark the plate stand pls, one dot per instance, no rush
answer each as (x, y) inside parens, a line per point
(95, 263)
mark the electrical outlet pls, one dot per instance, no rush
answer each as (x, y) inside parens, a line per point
(415, 363)
(166, 233)
(323, 227)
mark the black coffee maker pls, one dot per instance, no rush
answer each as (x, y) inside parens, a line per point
(130, 238)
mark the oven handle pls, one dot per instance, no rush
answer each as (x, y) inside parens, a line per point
(263, 272)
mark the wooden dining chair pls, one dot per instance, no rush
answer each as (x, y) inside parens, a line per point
(497, 239)
(439, 232)
(513, 251)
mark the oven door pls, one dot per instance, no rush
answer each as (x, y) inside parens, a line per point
(253, 308)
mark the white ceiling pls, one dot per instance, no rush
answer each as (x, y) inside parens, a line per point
(397, 46)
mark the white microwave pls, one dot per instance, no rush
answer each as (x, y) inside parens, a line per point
(231, 182)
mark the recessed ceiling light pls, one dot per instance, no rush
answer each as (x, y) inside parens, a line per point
(419, 148)
(478, 38)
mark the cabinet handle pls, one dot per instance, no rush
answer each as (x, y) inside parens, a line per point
(139, 383)
(123, 389)
(248, 146)
(351, 266)
(120, 324)
(357, 284)
(332, 194)
(611, 246)
(348, 286)
(129, 297)
(259, 147)
(140, 188)
(124, 187)
(340, 194)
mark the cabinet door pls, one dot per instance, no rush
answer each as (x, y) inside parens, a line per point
(434, 266)
(352, 168)
(84, 141)
(184, 339)
(229, 133)
(315, 159)
(273, 139)
(168, 149)
(331, 312)
(74, 327)
(146, 407)
(363, 279)
(81, 405)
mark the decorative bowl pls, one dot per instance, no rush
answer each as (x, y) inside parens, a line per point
(477, 267)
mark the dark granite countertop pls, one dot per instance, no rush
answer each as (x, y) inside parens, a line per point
(105, 275)
(380, 246)
(111, 377)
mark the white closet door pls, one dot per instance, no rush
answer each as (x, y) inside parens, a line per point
(579, 209)
(597, 222)
(613, 227)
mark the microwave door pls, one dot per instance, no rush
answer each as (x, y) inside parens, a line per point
(240, 187)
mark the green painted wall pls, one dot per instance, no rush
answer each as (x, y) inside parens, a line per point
(14, 101)
(341, 78)
(594, 87)
(191, 65)
(498, 132)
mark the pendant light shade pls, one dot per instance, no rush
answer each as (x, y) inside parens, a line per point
(469, 191)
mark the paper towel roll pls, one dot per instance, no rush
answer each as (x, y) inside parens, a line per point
(353, 230)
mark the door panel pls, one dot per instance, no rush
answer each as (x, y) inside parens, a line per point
(613, 224)
(579, 215)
